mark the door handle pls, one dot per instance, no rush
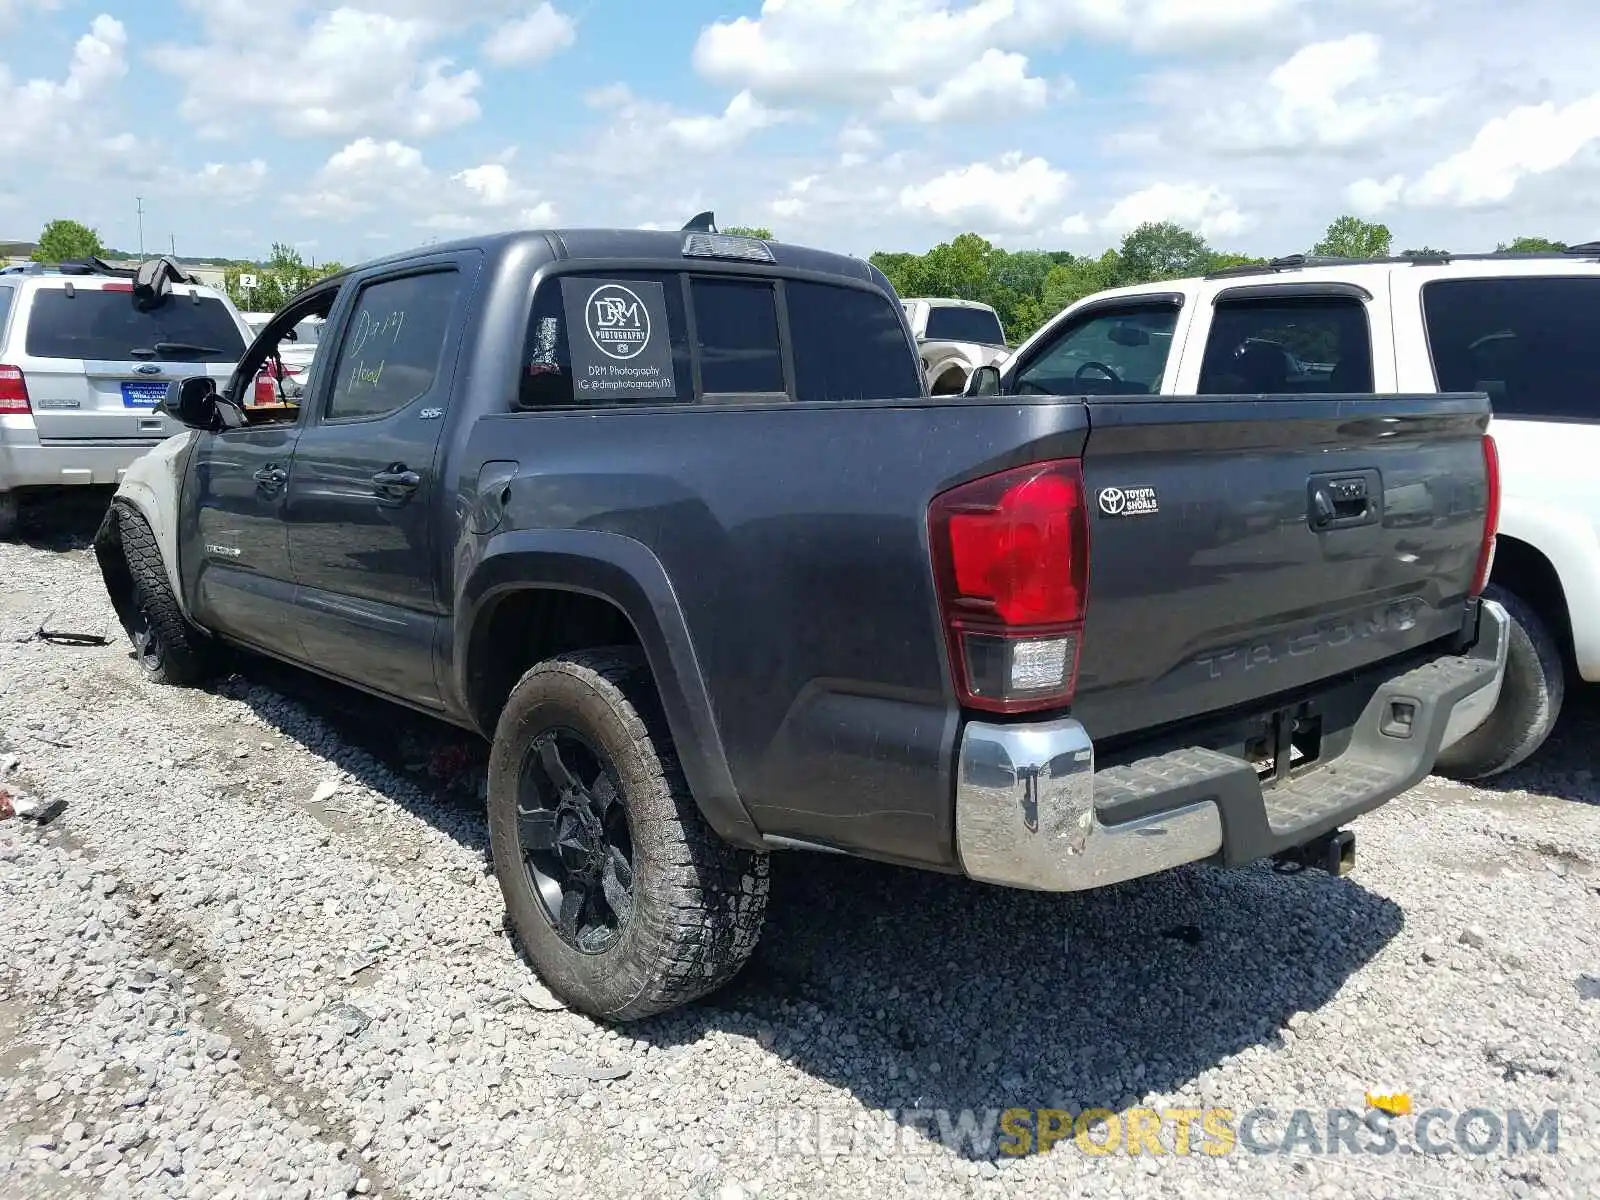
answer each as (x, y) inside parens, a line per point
(1344, 501)
(396, 483)
(397, 479)
(271, 476)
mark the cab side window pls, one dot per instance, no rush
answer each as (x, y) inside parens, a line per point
(1118, 352)
(1313, 345)
(1532, 343)
(547, 376)
(392, 344)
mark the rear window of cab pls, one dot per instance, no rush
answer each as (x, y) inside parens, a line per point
(600, 339)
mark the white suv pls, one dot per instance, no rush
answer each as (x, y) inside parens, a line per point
(1523, 328)
(85, 354)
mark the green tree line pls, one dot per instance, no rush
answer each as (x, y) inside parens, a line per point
(276, 280)
(1028, 287)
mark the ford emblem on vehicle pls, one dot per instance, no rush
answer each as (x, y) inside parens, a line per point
(148, 369)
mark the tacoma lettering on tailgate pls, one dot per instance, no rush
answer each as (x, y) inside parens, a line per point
(1395, 617)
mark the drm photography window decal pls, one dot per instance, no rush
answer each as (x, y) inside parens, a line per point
(618, 340)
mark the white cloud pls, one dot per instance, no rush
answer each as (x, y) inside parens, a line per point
(995, 83)
(831, 51)
(1014, 192)
(542, 33)
(1369, 197)
(743, 116)
(1326, 96)
(12, 11)
(1158, 25)
(347, 71)
(368, 175)
(1193, 205)
(1077, 225)
(1531, 140)
(490, 183)
(230, 181)
(40, 116)
(856, 144)
(825, 49)
(612, 95)
(642, 135)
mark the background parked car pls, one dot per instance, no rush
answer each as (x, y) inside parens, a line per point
(85, 354)
(953, 338)
(1521, 327)
(296, 357)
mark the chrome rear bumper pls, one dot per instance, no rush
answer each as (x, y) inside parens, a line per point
(1026, 815)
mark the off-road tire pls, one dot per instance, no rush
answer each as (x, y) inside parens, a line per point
(8, 516)
(698, 902)
(1530, 698)
(183, 656)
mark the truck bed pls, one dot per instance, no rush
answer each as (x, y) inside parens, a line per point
(797, 541)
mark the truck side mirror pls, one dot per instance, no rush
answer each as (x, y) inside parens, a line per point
(193, 402)
(984, 381)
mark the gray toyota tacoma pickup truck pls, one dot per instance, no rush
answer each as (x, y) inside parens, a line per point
(672, 520)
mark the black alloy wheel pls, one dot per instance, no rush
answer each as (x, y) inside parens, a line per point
(575, 841)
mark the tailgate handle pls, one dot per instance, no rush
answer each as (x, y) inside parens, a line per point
(1343, 501)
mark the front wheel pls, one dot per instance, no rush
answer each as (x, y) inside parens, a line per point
(1530, 698)
(625, 900)
(167, 648)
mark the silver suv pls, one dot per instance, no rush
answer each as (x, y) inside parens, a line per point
(86, 351)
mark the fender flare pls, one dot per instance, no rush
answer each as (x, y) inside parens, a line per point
(1568, 542)
(626, 574)
(153, 487)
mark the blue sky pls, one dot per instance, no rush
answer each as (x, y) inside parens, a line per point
(360, 127)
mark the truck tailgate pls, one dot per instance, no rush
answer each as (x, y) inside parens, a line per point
(1245, 547)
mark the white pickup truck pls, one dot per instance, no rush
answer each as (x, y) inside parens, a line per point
(1525, 328)
(954, 337)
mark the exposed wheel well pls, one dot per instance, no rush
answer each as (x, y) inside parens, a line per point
(950, 382)
(1519, 568)
(527, 627)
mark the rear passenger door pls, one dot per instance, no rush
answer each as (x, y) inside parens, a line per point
(365, 500)
(1297, 338)
(1529, 337)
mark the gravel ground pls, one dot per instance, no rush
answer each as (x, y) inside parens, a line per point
(260, 953)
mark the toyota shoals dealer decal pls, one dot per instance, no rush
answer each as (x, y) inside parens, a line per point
(1128, 501)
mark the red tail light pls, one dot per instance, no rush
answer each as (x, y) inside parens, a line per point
(1491, 516)
(13, 392)
(116, 287)
(266, 389)
(1011, 557)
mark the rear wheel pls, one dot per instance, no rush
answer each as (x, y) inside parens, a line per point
(625, 900)
(1530, 698)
